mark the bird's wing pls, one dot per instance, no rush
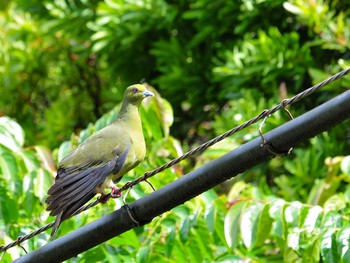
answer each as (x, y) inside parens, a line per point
(75, 185)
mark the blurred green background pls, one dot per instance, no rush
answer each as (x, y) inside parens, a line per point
(64, 65)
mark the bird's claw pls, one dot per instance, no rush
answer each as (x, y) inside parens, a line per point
(104, 198)
(115, 193)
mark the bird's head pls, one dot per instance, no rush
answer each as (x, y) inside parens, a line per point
(136, 93)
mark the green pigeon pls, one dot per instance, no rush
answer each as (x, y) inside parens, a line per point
(100, 161)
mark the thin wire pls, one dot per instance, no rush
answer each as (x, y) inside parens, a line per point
(262, 115)
(21, 239)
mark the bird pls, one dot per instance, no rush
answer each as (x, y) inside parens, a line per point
(100, 161)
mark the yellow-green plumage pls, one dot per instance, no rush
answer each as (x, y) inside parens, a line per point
(101, 160)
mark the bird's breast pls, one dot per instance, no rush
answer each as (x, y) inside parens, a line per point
(135, 156)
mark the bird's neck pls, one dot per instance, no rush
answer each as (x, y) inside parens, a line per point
(130, 113)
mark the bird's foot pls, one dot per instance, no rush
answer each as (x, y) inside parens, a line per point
(104, 198)
(115, 193)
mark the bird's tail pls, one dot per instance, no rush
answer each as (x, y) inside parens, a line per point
(63, 215)
(56, 224)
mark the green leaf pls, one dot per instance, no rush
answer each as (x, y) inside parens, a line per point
(263, 226)
(256, 225)
(312, 218)
(291, 246)
(292, 8)
(30, 160)
(128, 238)
(202, 237)
(64, 149)
(230, 259)
(43, 181)
(45, 156)
(93, 255)
(277, 211)
(344, 244)
(10, 173)
(312, 248)
(9, 167)
(154, 129)
(329, 248)
(142, 254)
(11, 134)
(184, 229)
(302, 245)
(292, 213)
(332, 220)
(233, 222)
(210, 218)
(100, 35)
(209, 198)
(100, 45)
(8, 212)
(170, 241)
(322, 190)
(335, 203)
(110, 252)
(345, 165)
(28, 192)
(162, 109)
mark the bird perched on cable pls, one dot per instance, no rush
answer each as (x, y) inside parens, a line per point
(100, 161)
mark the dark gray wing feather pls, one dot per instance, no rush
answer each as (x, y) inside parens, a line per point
(75, 186)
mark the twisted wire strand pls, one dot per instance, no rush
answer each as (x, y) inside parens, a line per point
(202, 147)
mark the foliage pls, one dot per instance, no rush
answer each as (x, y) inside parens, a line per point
(198, 54)
(244, 224)
(25, 175)
(217, 63)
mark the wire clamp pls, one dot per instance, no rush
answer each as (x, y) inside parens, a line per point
(267, 145)
(130, 213)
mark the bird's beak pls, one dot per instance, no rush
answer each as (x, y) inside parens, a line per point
(147, 93)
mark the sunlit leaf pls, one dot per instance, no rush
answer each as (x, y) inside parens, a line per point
(335, 203)
(42, 182)
(292, 8)
(9, 167)
(100, 45)
(332, 220)
(170, 241)
(312, 218)
(30, 160)
(345, 165)
(10, 172)
(230, 259)
(233, 221)
(292, 245)
(255, 225)
(329, 248)
(277, 211)
(12, 134)
(29, 196)
(312, 247)
(142, 254)
(292, 213)
(263, 226)
(344, 243)
(64, 149)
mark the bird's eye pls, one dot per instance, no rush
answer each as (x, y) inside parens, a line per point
(135, 90)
